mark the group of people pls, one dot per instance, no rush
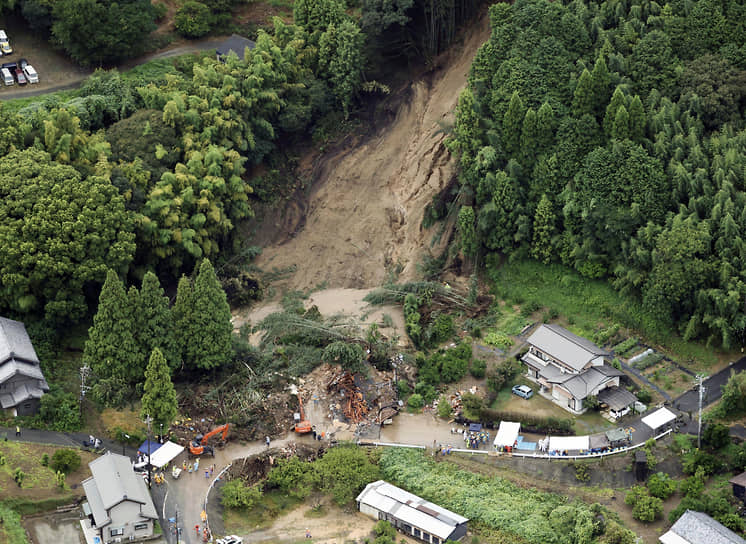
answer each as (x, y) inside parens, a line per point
(92, 441)
(473, 439)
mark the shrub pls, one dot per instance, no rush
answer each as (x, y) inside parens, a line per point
(426, 391)
(644, 396)
(604, 335)
(472, 406)
(644, 507)
(403, 388)
(661, 485)
(237, 494)
(192, 20)
(45, 460)
(716, 435)
(478, 368)
(530, 422)
(415, 402)
(498, 339)
(65, 461)
(444, 408)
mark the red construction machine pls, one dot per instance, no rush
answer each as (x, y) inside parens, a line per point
(200, 443)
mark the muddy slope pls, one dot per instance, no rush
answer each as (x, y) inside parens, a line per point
(363, 214)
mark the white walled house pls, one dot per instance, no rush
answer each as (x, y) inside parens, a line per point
(22, 383)
(119, 506)
(411, 514)
(568, 367)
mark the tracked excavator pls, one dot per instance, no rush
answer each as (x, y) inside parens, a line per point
(302, 425)
(200, 444)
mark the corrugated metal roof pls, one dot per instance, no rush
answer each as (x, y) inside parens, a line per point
(410, 508)
(565, 346)
(616, 398)
(698, 528)
(739, 480)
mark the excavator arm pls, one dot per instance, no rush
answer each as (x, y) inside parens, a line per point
(217, 430)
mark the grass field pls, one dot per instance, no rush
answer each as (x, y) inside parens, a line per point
(589, 305)
(273, 504)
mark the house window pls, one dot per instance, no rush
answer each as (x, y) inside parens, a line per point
(116, 532)
(436, 540)
(140, 526)
(417, 533)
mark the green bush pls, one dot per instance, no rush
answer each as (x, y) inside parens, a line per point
(192, 19)
(661, 485)
(530, 422)
(498, 339)
(444, 408)
(472, 406)
(623, 347)
(415, 402)
(426, 391)
(644, 507)
(644, 396)
(65, 461)
(478, 368)
(716, 436)
(238, 494)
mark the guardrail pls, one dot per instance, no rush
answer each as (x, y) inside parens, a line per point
(615, 451)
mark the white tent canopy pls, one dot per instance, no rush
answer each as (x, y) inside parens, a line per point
(569, 443)
(507, 434)
(165, 454)
(659, 418)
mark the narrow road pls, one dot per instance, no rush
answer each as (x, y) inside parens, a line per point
(689, 401)
(192, 47)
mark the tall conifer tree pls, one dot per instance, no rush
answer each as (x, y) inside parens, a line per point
(111, 350)
(208, 335)
(155, 327)
(159, 397)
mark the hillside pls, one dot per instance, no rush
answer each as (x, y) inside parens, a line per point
(364, 212)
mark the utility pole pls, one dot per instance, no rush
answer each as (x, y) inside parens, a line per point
(700, 378)
(85, 371)
(148, 421)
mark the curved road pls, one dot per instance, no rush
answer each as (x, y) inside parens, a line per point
(192, 47)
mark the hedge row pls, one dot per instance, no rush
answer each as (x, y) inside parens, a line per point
(492, 418)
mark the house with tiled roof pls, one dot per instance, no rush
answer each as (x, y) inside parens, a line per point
(698, 528)
(118, 505)
(568, 367)
(22, 383)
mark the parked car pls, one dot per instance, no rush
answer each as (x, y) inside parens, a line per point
(230, 539)
(7, 76)
(5, 44)
(31, 74)
(523, 391)
(21, 77)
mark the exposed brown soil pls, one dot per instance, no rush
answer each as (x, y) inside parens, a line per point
(363, 215)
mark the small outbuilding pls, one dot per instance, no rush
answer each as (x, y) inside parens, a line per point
(659, 419)
(698, 528)
(618, 400)
(411, 514)
(739, 486)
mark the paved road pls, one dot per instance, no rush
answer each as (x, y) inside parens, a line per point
(689, 401)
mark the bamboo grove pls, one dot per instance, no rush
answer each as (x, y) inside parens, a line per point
(610, 137)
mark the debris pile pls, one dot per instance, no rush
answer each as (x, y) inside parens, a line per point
(355, 408)
(256, 467)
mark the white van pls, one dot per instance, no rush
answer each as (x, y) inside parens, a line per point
(7, 76)
(31, 74)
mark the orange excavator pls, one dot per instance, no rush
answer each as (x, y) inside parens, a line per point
(200, 443)
(302, 425)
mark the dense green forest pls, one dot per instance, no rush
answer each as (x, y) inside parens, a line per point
(610, 137)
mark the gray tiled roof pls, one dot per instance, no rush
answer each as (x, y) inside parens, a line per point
(616, 397)
(116, 481)
(15, 342)
(581, 385)
(565, 346)
(21, 393)
(698, 528)
(13, 366)
(100, 517)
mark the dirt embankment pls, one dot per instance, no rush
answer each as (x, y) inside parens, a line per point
(363, 215)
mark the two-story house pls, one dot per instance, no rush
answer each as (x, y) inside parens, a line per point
(22, 383)
(568, 367)
(118, 507)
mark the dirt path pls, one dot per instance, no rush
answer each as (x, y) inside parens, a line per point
(364, 212)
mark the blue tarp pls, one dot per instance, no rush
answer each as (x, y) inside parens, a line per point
(475, 427)
(148, 447)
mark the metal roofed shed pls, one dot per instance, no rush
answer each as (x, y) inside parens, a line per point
(659, 418)
(235, 43)
(411, 514)
(507, 434)
(617, 437)
(698, 528)
(739, 486)
(616, 398)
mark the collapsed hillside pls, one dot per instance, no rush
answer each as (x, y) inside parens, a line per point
(363, 215)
